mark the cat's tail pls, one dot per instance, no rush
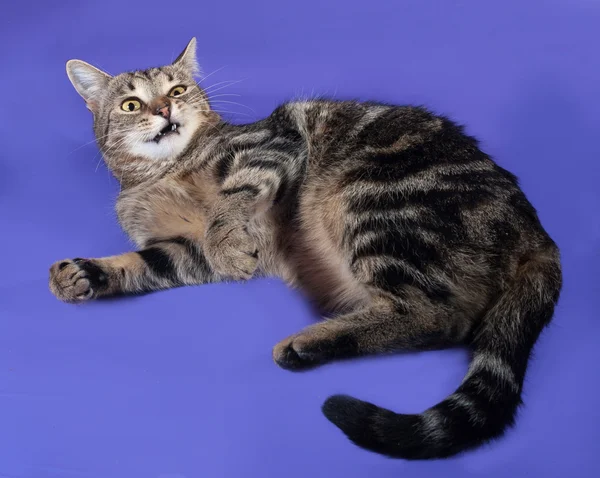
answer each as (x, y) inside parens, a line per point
(485, 404)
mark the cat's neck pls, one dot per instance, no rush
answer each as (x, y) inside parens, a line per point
(132, 171)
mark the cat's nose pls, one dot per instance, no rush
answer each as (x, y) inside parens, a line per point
(161, 107)
(165, 111)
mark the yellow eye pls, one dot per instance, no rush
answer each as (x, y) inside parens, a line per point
(177, 90)
(131, 105)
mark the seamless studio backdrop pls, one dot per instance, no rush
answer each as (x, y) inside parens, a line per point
(181, 384)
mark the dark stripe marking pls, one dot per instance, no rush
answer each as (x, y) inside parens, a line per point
(224, 165)
(159, 262)
(246, 188)
(264, 164)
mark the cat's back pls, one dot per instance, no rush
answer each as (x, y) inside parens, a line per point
(400, 182)
(379, 159)
(381, 156)
(344, 127)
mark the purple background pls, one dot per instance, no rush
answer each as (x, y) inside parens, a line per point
(180, 384)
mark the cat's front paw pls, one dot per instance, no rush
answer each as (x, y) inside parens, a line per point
(76, 280)
(231, 251)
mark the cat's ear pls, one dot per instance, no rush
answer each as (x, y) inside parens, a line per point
(89, 81)
(187, 58)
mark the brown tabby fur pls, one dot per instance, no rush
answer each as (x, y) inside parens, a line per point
(390, 219)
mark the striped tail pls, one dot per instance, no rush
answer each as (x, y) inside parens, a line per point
(486, 402)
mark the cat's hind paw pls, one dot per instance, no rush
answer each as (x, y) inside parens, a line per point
(295, 353)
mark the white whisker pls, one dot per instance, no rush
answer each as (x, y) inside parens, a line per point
(225, 94)
(212, 88)
(235, 103)
(232, 112)
(212, 73)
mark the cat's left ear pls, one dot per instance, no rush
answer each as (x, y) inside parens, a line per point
(187, 58)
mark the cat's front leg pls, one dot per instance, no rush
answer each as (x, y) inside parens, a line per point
(164, 264)
(229, 248)
(249, 189)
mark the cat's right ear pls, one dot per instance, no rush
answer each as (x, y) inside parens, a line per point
(89, 81)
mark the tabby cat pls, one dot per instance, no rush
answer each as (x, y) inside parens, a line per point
(389, 218)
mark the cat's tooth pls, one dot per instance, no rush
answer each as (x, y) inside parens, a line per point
(173, 127)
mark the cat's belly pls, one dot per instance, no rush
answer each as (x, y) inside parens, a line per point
(319, 262)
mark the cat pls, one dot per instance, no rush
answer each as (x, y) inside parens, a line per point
(390, 219)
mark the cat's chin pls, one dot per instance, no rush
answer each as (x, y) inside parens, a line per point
(169, 142)
(166, 145)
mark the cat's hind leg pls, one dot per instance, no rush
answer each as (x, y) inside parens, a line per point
(386, 325)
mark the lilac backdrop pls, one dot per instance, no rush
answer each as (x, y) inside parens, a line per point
(180, 384)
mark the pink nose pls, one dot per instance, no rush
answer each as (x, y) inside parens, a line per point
(165, 112)
(161, 106)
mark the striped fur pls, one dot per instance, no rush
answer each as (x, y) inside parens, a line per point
(390, 219)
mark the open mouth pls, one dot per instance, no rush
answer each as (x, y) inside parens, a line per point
(170, 129)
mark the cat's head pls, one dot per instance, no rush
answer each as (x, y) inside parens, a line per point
(144, 120)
